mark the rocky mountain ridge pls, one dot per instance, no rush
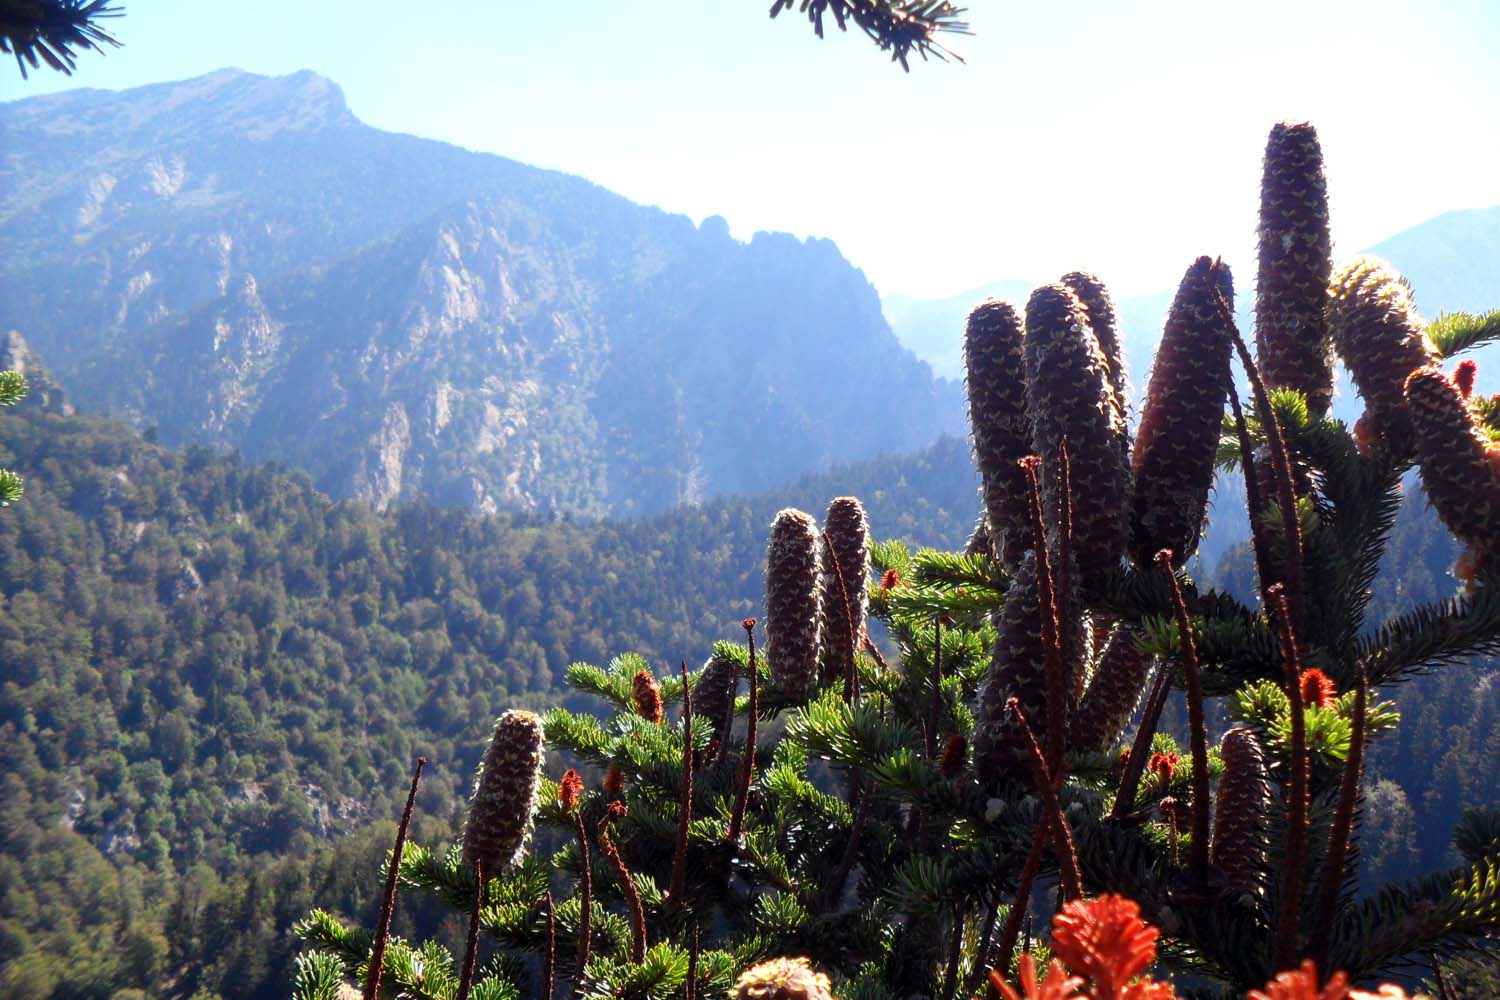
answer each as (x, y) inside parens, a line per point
(239, 261)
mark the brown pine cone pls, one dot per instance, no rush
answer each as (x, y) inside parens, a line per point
(1068, 386)
(1244, 798)
(1291, 327)
(1180, 422)
(1457, 473)
(792, 604)
(1379, 335)
(845, 567)
(505, 791)
(1113, 694)
(996, 383)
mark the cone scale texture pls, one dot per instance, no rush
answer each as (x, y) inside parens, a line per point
(1179, 433)
(1295, 261)
(792, 604)
(713, 694)
(1379, 335)
(505, 792)
(1112, 696)
(1244, 798)
(1460, 481)
(1069, 392)
(1018, 670)
(845, 566)
(995, 366)
(1100, 309)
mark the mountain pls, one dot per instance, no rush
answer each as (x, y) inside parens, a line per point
(237, 260)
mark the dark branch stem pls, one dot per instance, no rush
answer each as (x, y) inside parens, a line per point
(1062, 839)
(1290, 904)
(1198, 726)
(471, 944)
(747, 764)
(1135, 764)
(1340, 833)
(549, 958)
(388, 901)
(685, 808)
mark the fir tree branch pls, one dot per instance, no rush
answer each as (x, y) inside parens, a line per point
(1453, 333)
(897, 26)
(47, 31)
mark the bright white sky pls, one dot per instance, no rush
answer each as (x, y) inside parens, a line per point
(1122, 136)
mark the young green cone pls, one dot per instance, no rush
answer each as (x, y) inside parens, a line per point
(782, 979)
(1069, 391)
(1180, 422)
(1294, 253)
(1244, 798)
(792, 604)
(505, 789)
(996, 383)
(845, 565)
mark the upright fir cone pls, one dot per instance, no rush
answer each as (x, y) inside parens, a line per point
(792, 604)
(1379, 335)
(1113, 694)
(980, 542)
(996, 383)
(1244, 798)
(1100, 309)
(1018, 669)
(1070, 395)
(1181, 420)
(783, 979)
(1295, 256)
(713, 692)
(1460, 479)
(505, 790)
(845, 567)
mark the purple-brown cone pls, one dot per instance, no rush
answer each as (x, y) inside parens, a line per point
(1112, 695)
(1100, 309)
(792, 604)
(1460, 481)
(1180, 423)
(1379, 335)
(845, 567)
(1018, 669)
(1069, 390)
(505, 791)
(1291, 328)
(1240, 812)
(996, 383)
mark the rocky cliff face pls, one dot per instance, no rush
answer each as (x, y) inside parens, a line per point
(238, 260)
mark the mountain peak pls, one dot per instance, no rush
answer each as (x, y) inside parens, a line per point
(248, 104)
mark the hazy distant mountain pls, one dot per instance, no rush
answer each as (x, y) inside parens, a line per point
(1452, 261)
(237, 259)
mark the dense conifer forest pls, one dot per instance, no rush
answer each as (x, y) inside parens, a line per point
(214, 673)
